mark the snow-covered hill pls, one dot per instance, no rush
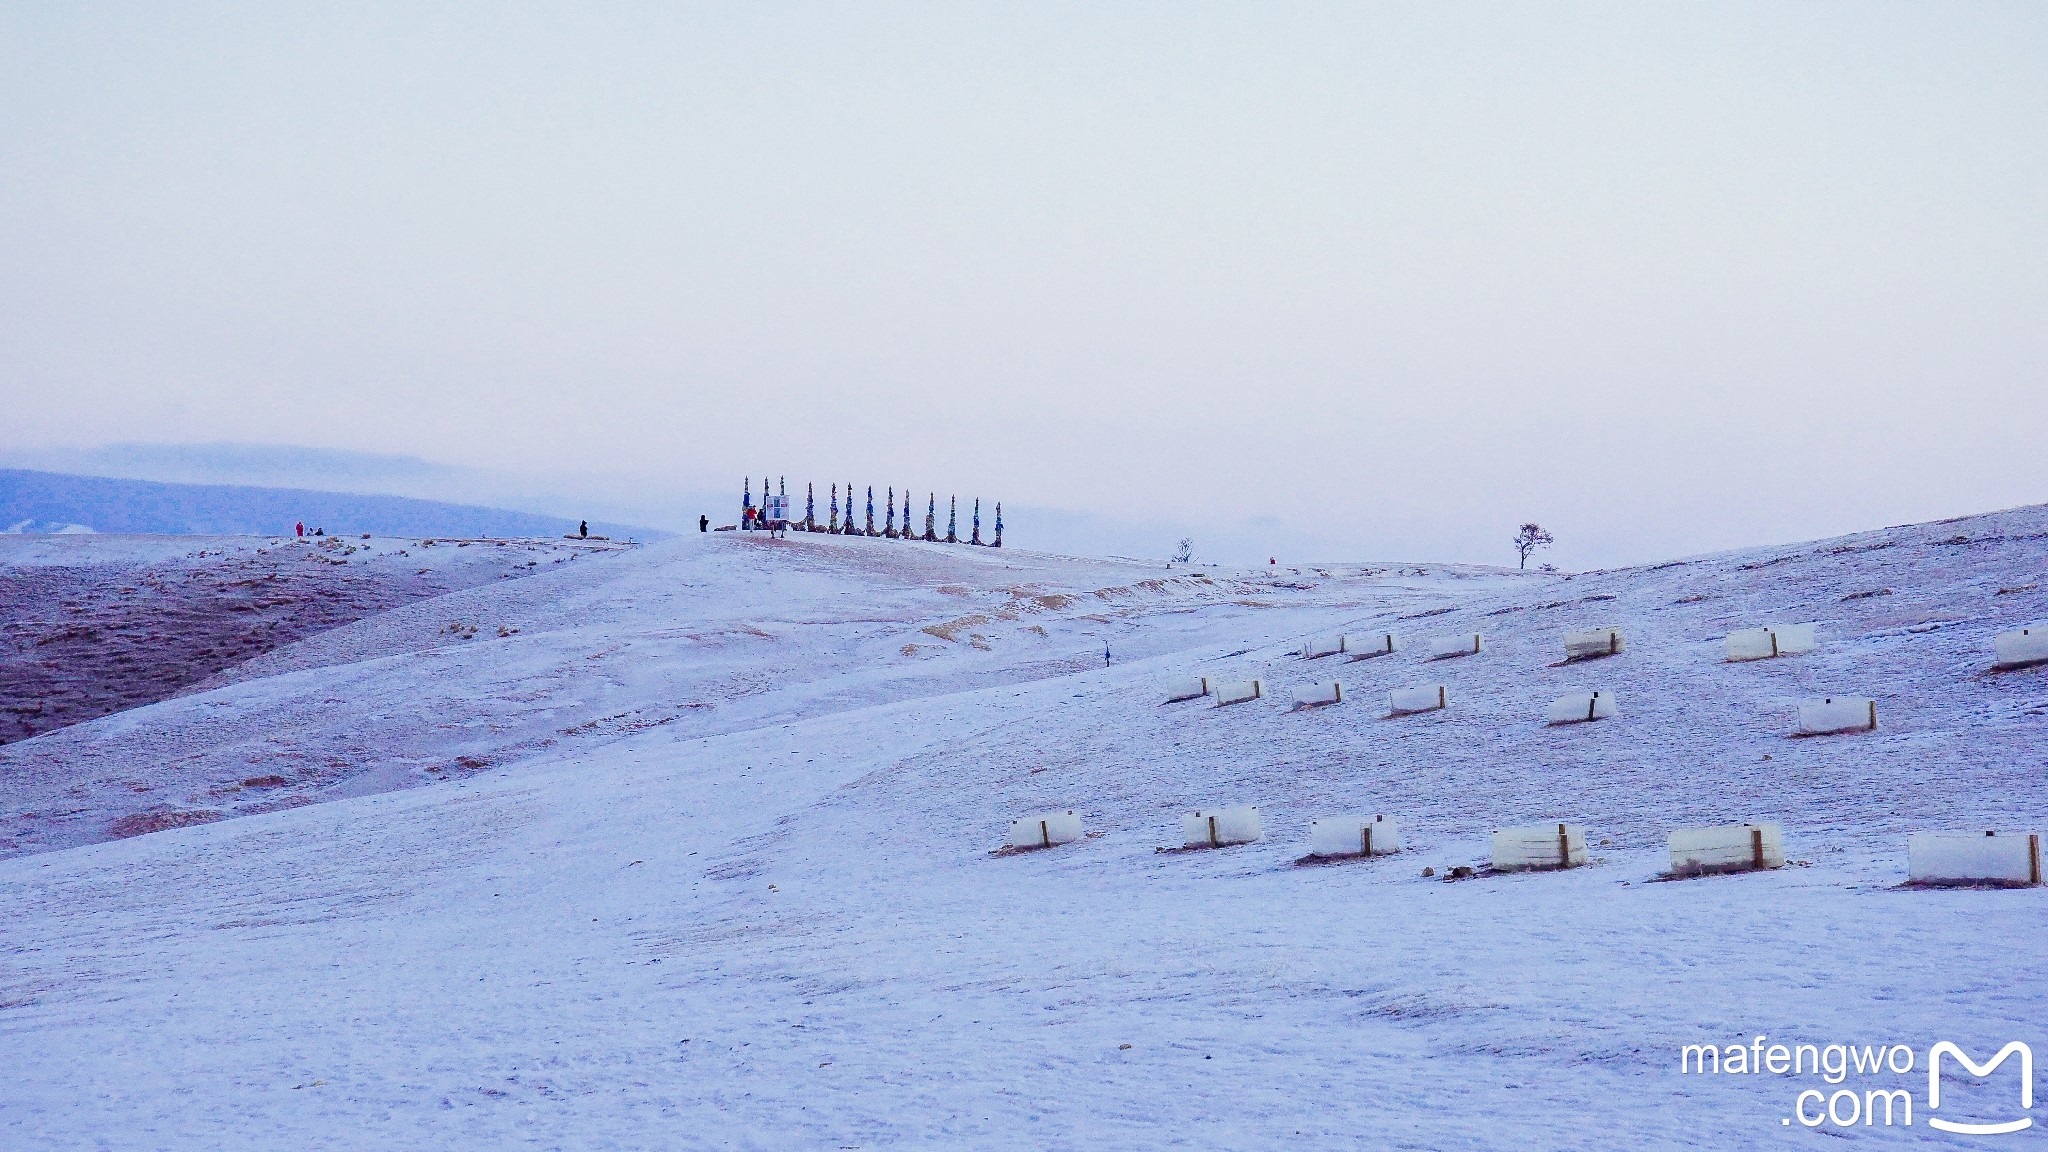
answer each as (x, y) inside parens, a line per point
(689, 846)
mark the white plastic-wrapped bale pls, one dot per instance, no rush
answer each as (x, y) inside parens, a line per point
(1316, 695)
(2009, 858)
(1237, 691)
(1837, 714)
(1793, 639)
(1539, 846)
(1378, 644)
(1322, 646)
(1045, 829)
(1354, 836)
(1402, 701)
(1580, 707)
(1598, 642)
(2029, 645)
(1726, 848)
(1193, 689)
(1769, 641)
(1446, 647)
(1218, 827)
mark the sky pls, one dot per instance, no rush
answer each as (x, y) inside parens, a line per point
(1344, 281)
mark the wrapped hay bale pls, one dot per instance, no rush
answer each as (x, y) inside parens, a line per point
(2018, 649)
(1237, 692)
(1404, 701)
(1726, 848)
(1448, 647)
(1539, 846)
(1591, 645)
(2010, 859)
(1219, 827)
(1322, 646)
(1580, 707)
(1193, 689)
(1378, 644)
(1353, 836)
(1834, 714)
(1770, 641)
(1045, 829)
(1317, 695)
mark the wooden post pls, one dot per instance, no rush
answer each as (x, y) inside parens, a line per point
(1044, 835)
(1592, 702)
(1365, 841)
(1873, 715)
(1564, 848)
(1756, 847)
(1213, 843)
(2034, 858)
(1440, 702)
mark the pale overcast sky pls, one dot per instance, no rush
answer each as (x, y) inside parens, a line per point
(1665, 277)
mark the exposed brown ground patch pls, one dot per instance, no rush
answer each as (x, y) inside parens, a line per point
(83, 635)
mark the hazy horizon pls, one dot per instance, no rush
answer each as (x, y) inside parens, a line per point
(1390, 279)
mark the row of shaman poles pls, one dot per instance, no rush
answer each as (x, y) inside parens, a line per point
(752, 517)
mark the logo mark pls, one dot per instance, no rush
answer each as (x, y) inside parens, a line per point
(1981, 1070)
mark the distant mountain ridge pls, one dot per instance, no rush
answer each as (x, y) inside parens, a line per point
(32, 501)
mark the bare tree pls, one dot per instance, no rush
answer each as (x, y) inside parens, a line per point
(1530, 538)
(1186, 551)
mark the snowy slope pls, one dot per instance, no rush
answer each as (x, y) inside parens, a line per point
(710, 866)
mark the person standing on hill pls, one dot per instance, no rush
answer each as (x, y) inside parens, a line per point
(583, 530)
(301, 528)
(703, 523)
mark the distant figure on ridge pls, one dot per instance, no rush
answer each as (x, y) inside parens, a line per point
(583, 530)
(703, 523)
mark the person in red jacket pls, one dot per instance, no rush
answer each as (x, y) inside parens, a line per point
(302, 528)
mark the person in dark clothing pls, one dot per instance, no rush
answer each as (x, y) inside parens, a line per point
(703, 523)
(583, 530)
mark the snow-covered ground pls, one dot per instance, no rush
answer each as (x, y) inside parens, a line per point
(690, 846)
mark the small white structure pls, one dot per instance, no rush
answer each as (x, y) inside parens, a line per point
(2010, 859)
(1193, 689)
(1354, 836)
(1588, 645)
(1237, 691)
(2029, 645)
(1378, 644)
(1317, 695)
(1534, 846)
(1726, 848)
(1402, 701)
(1580, 707)
(1045, 829)
(1446, 647)
(1322, 646)
(1217, 827)
(1837, 714)
(1770, 641)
